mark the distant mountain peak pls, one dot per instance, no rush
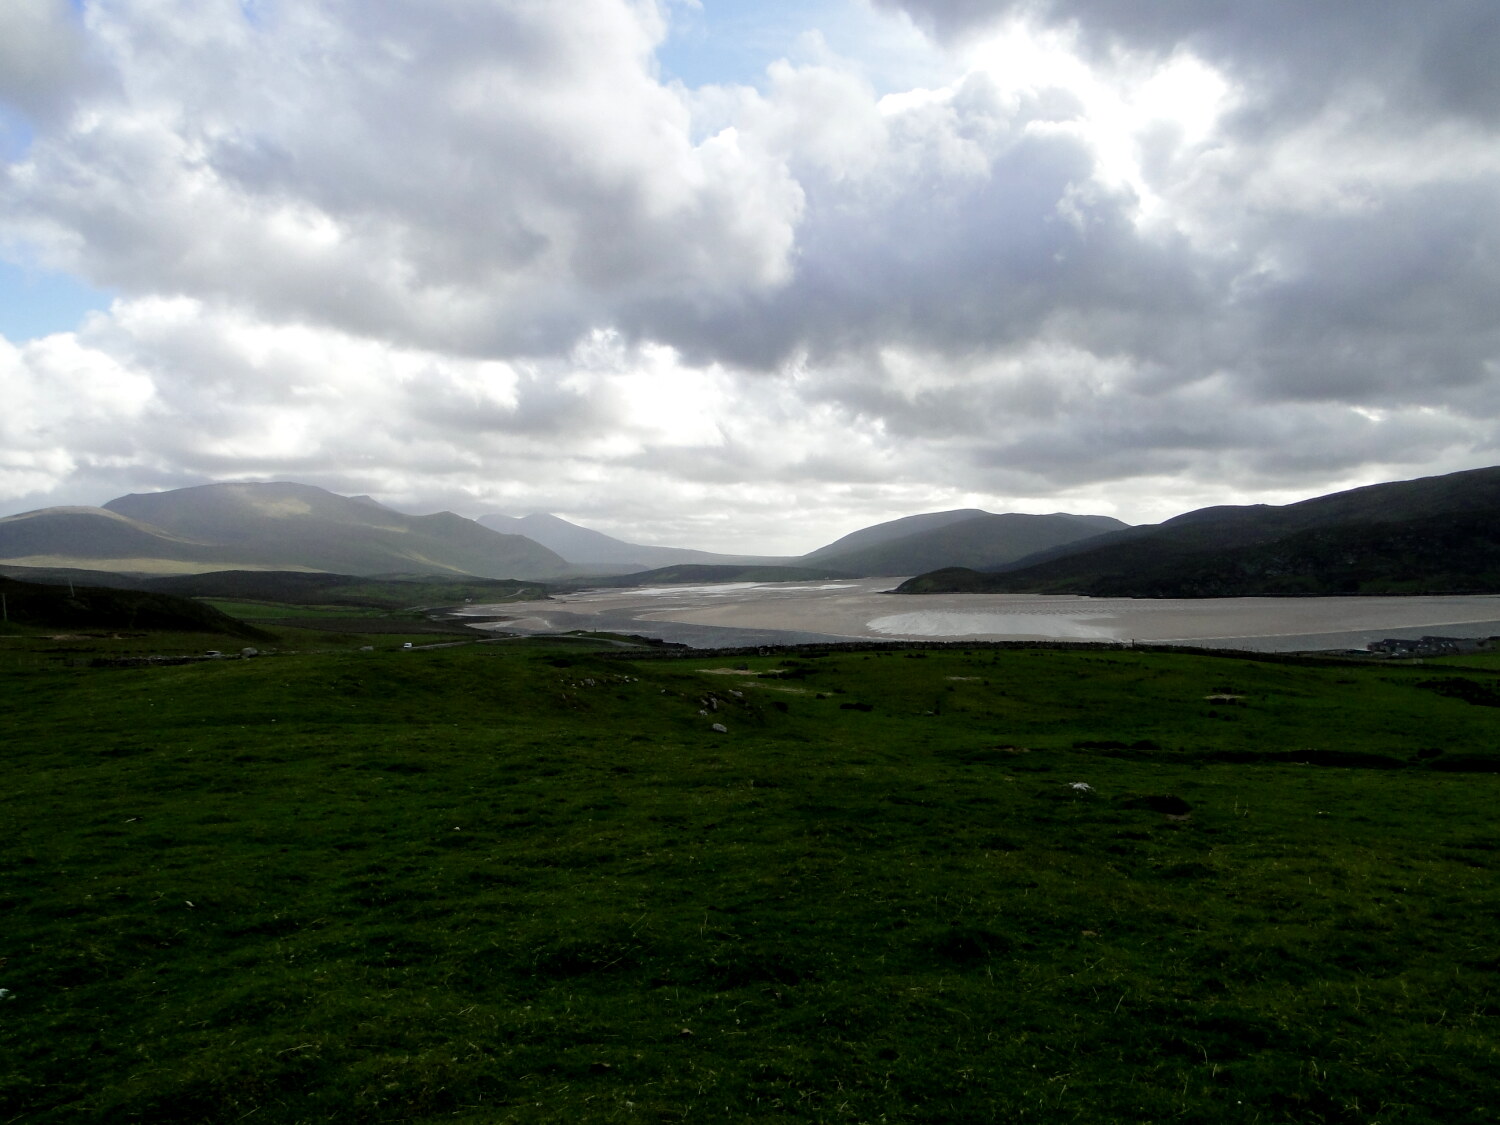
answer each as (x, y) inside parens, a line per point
(583, 546)
(1423, 536)
(278, 524)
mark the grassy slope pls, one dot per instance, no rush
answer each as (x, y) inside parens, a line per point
(1435, 535)
(490, 884)
(288, 524)
(34, 606)
(386, 592)
(982, 541)
(1447, 554)
(279, 593)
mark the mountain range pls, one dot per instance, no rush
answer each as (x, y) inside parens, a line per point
(285, 526)
(271, 526)
(585, 547)
(1432, 535)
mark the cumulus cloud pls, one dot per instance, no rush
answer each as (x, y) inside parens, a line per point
(1431, 58)
(44, 58)
(479, 177)
(1120, 256)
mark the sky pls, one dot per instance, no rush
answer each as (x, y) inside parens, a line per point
(747, 276)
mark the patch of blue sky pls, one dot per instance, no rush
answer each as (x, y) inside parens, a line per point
(16, 135)
(733, 42)
(36, 302)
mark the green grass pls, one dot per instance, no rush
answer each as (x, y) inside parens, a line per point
(529, 883)
(271, 611)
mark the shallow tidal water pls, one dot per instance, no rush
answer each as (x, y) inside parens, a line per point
(756, 613)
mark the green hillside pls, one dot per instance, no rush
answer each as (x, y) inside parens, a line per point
(1437, 535)
(385, 592)
(977, 541)
(32, 605)
(57, 536)
(294, 526)
(892, 530)
(523, 881)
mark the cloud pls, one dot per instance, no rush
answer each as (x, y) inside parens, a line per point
(1118, 256)
(478, 177)
(43, 57)
(1431, 58)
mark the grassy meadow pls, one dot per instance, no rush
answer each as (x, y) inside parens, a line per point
(529, 882)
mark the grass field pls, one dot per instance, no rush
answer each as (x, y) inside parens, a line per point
(273, 611)
(529, 882)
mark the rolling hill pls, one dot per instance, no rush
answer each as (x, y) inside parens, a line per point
(98, 539)
(892, 530)
(39, 606)
(1430, 535)
(909, 545)
(265, 526)
(967, 537)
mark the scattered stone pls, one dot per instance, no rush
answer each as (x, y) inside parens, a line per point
(720, 728)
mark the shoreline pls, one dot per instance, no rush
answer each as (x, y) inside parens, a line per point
(859, 610)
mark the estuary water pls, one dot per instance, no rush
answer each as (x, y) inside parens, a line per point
(756, 613)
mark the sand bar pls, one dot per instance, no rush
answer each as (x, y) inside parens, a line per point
(864, 609)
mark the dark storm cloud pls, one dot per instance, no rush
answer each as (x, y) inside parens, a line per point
(1430, 58)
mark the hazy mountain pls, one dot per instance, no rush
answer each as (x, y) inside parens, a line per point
(585, 547)
(257, 526)
(286, 526)
(891, 530)
(967, 537)
(97, 539)
(1431, 535)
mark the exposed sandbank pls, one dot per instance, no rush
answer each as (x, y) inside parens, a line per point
(863, 610)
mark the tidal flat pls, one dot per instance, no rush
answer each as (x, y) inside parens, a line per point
(531, 881)
(864, 609)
